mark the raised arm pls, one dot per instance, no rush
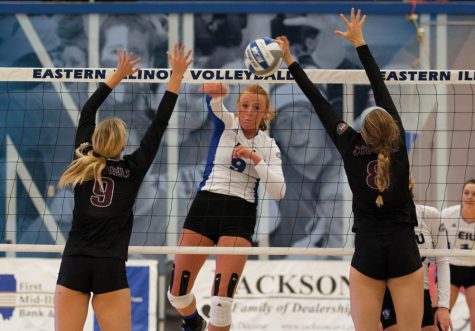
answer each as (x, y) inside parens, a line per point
(87, 121)
(215, 92)
(354, 34)
(145, 154)
(324, 110)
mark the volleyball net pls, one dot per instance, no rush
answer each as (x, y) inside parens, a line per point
(40, 109)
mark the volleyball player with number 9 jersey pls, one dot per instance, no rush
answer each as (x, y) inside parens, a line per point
(377, 167)
(105, 187)
(223, 213)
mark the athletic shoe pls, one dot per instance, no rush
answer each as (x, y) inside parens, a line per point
(201, 325)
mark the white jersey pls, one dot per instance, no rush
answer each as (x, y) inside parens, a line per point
(240, 177)
(430, 234)
(461, 235)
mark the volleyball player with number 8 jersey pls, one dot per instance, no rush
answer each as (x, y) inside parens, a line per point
(377, 167)
(105, 187)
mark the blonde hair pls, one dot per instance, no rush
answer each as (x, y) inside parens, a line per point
(258, 90)
(108, 141)
(382, 133)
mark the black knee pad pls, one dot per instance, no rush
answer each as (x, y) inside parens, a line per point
(231, 285)
(184, 281)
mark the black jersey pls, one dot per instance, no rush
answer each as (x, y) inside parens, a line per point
(102, 220)
(360, 161)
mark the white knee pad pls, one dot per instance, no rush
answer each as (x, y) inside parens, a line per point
(220, 314)
(181, 301)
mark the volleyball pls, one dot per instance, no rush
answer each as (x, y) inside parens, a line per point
(263, 56)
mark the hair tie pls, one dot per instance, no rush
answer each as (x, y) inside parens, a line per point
(97, 154)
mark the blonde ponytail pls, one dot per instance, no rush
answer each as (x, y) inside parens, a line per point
(108, 141)
(382, 133)
(382, 176)
(84, 168)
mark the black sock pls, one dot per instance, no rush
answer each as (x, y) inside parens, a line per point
(192, 320)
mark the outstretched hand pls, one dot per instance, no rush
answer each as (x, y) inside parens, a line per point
(214, 89)
(126, 63)
(179, 61)
(125, 67)
(354, 28)
(284, 44)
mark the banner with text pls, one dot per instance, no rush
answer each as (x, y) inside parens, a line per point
(285, 295)
(27, 294)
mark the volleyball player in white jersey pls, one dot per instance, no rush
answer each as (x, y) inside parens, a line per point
(430, 233)
(223, 213)
(460, 223)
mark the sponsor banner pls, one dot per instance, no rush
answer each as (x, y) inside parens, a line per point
(295, 295)
(285, 295)
(27, 294)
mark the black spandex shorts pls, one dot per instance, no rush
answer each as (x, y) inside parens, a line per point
(214, 215)
(386, 254)
(91, 274)
(388, 313)
(462, 276)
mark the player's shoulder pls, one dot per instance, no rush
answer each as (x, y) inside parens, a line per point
(451, 212)
(428, 215)
(427, 210)
(266, 140)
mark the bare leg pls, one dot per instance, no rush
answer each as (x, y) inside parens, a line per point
(470, 297)
(113, 310)
(226, 265)
(454, 293)
(366, 299)
(191, 263)
(70, 309)
(408, 298)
